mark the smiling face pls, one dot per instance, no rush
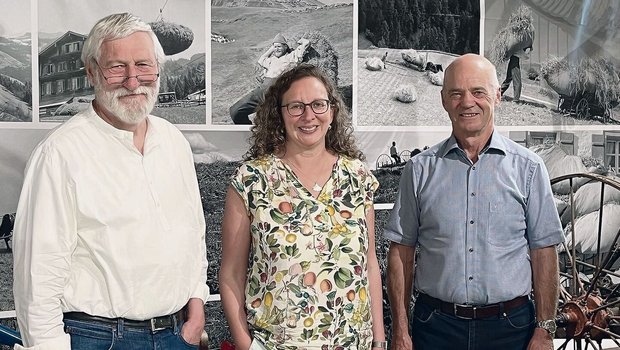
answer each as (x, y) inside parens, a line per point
(279, 49)
(470, 94)
(307, 131)
(131, 101)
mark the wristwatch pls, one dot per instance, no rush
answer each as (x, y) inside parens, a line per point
(548, 325)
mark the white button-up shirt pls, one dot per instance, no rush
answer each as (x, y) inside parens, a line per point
(103, 229)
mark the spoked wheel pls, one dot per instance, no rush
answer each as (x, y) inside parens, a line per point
(589, 306)
(583, 109)
(384, 161)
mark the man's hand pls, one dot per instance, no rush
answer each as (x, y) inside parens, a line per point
(195, 322)
(401, 342)
(541, 340)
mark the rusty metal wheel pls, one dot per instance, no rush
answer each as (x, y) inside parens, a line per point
(588, 310)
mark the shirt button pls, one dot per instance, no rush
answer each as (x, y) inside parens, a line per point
(471, 221)
(471, 278)
(471, 249)
(473, 194)
(473, 168)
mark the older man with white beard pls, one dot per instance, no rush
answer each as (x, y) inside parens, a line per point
(109, 241)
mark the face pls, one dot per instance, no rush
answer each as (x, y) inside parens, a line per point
(131, 101)
(279, 50)
(469, 95)
(308, 130)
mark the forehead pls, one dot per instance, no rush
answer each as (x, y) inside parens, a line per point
(135, 47)
(306, 88)
(466, 78)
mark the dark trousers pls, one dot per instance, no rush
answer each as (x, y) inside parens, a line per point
(513, 74)
(241, 110)
(434, 330)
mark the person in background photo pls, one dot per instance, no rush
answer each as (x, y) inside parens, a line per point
(301, 209)
(278, 59)
(394, 153)
(475, 256)
(513, 73)
(109, 242)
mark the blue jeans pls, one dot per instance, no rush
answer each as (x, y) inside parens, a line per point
(434, 330)
(88, 335)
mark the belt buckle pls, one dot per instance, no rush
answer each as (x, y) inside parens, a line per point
(456, 306)
(154, 326)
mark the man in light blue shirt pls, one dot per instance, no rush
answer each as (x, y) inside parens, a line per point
(480, 210)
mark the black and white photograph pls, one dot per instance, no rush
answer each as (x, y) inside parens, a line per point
(64, 89)
(15, 62)
(557, 65)
(253, 42)
(403, 48)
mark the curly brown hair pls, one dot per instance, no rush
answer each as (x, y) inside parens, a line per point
(268, 133)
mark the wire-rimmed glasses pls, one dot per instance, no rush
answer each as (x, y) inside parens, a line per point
(295, 109)
(146, 77)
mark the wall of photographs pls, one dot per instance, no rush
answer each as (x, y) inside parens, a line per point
(386, 56)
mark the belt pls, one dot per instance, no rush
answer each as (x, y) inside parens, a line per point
(154, 324)
(473, 312)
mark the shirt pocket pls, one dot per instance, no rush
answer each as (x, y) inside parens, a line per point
(506, 224)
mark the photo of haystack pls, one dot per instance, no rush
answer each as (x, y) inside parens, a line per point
(403, 49)
(246, 33)
(557, 65)
(15, 64)
(64, 89)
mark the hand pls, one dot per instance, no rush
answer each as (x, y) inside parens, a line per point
(195, 322)
(541, 340)
(401, 343)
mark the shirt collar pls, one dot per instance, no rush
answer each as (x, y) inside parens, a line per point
(496, 142)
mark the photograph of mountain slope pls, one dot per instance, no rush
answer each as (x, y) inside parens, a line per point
(15, 63)
(243, 31)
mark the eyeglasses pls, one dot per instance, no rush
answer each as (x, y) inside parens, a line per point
(145, 78)
(295, 109)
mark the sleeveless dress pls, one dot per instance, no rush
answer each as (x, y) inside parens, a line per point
(307, 284)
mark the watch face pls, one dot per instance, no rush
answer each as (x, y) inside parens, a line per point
(548, 325)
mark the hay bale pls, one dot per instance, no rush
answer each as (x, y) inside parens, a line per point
(586, 230)
(560, 205)
(374, 64)
(558, 163)
(595, 76)
(321, 53)
(174, 38)
(517, 35)
(588, 198)
(436, 78)
(406, 93)
(414, 58)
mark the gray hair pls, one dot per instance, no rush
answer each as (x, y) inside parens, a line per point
(117, 26)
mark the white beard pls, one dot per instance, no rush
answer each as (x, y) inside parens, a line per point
(132, 112)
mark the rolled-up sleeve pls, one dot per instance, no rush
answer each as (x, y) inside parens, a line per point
(44, 238)
(402, 226)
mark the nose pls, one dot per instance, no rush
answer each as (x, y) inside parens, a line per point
(308, 112)
(468, 99)
(132, 82)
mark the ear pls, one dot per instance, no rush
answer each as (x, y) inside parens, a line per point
(90, 74)
(498, 97)
(443, 101)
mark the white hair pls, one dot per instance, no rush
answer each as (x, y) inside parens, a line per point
(117, 26)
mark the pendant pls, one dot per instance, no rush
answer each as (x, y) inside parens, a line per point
(316, 187)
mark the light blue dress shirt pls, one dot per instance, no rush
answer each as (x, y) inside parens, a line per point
(474, 223)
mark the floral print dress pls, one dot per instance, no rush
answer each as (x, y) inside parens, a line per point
(307, 284)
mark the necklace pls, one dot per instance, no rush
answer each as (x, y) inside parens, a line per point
(316, 187)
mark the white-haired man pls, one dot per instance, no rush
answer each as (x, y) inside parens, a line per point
(109, 247)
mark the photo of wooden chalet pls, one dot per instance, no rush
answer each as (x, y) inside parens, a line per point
(61, 72)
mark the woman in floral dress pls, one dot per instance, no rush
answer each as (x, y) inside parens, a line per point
(299, 269)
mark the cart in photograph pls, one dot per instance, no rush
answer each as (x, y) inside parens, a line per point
(585, 105)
